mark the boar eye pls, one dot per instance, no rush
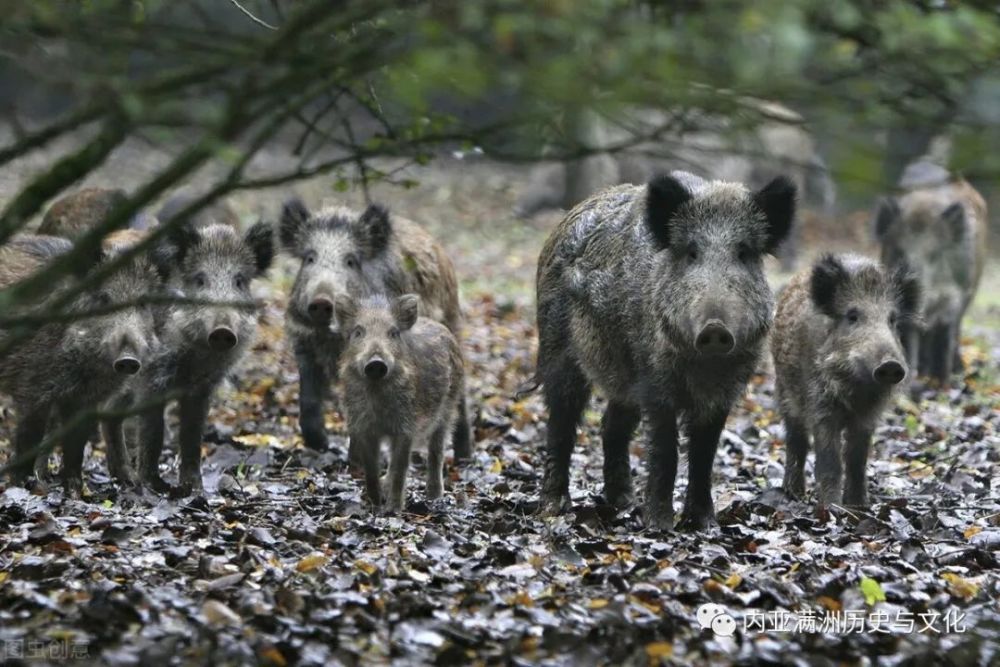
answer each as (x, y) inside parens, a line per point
(853, 316)
(104, 299)
(199, 280)
(357, 333)
(892, 318)
(743, 252)
(394, 333)
(241, 281)
(310, 257)
(351, 261)
(692, 252)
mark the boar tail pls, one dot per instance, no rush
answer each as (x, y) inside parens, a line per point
(527, 388)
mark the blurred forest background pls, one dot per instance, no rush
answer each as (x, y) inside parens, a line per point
(234, 96)
(483, 120)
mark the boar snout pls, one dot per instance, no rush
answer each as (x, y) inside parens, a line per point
(376, 368)
(889, 372)
(320, 310)
(222, 338)
(715, 339)
(127, 365)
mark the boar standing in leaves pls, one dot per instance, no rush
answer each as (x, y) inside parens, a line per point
(402, 378)
(837, 359)
(656, 295)
(201, 343)
(342, 252)
(65, 369)
(939, 231)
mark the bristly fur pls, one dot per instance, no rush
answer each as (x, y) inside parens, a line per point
(625, 285)
(346, 252)
(939, 230)
(836, 323)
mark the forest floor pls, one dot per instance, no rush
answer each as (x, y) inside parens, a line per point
(282, 563)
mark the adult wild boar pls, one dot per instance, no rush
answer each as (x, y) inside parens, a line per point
(656, 295)
(358, 254)
(939, 231)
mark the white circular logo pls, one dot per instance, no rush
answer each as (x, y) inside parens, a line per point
(714, 617)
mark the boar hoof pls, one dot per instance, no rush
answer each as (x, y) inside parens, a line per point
(553, 505)
(695, 521)
(73, 488)
(315, 441)
(618, 498)
(157, 484)
(662, 522)
(190, 485)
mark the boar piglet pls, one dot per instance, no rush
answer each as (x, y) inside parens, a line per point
(656, 295)
(939, 233)
(837, 358)
(402, 378)
(201, 343)
(65, 369)
(358, 254)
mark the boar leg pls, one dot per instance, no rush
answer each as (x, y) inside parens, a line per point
(617, 427)
(399, 465)
(796, 448)
(855, 463)
(829, 470)
(151, 446)
(367, 450)
(73, 445)
(113, 432)
(566, 394)
(194, 412)
(28, 436)
(312, 385)
(435, 462)
(461, 439)
(945, 349)
(662, 461)
(703, 440)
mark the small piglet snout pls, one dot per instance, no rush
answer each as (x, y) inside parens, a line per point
(889, 372)
(320, 310)
(127, 365)
(715, 339)
(222, 339)
(376, 368)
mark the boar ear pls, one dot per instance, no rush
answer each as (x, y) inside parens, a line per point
(294, 216)
(406, 310)
(887, 214)
(777, 201)
(260, 238)
(374, 229)
(954, 218)
(828, 276)
(908, 292)
(346, 309)
(664, 197)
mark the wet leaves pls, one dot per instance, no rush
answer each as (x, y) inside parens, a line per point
(283, 563)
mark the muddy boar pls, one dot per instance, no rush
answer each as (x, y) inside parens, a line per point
(656, 295)
(66, 369)
(402, 376)
(344, 252)
(837, 360)
(200, 343)
(76, 213)
(939, 232)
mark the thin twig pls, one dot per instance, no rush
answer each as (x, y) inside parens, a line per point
(259, 21)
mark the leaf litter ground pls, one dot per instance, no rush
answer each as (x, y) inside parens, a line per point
(282, 562)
